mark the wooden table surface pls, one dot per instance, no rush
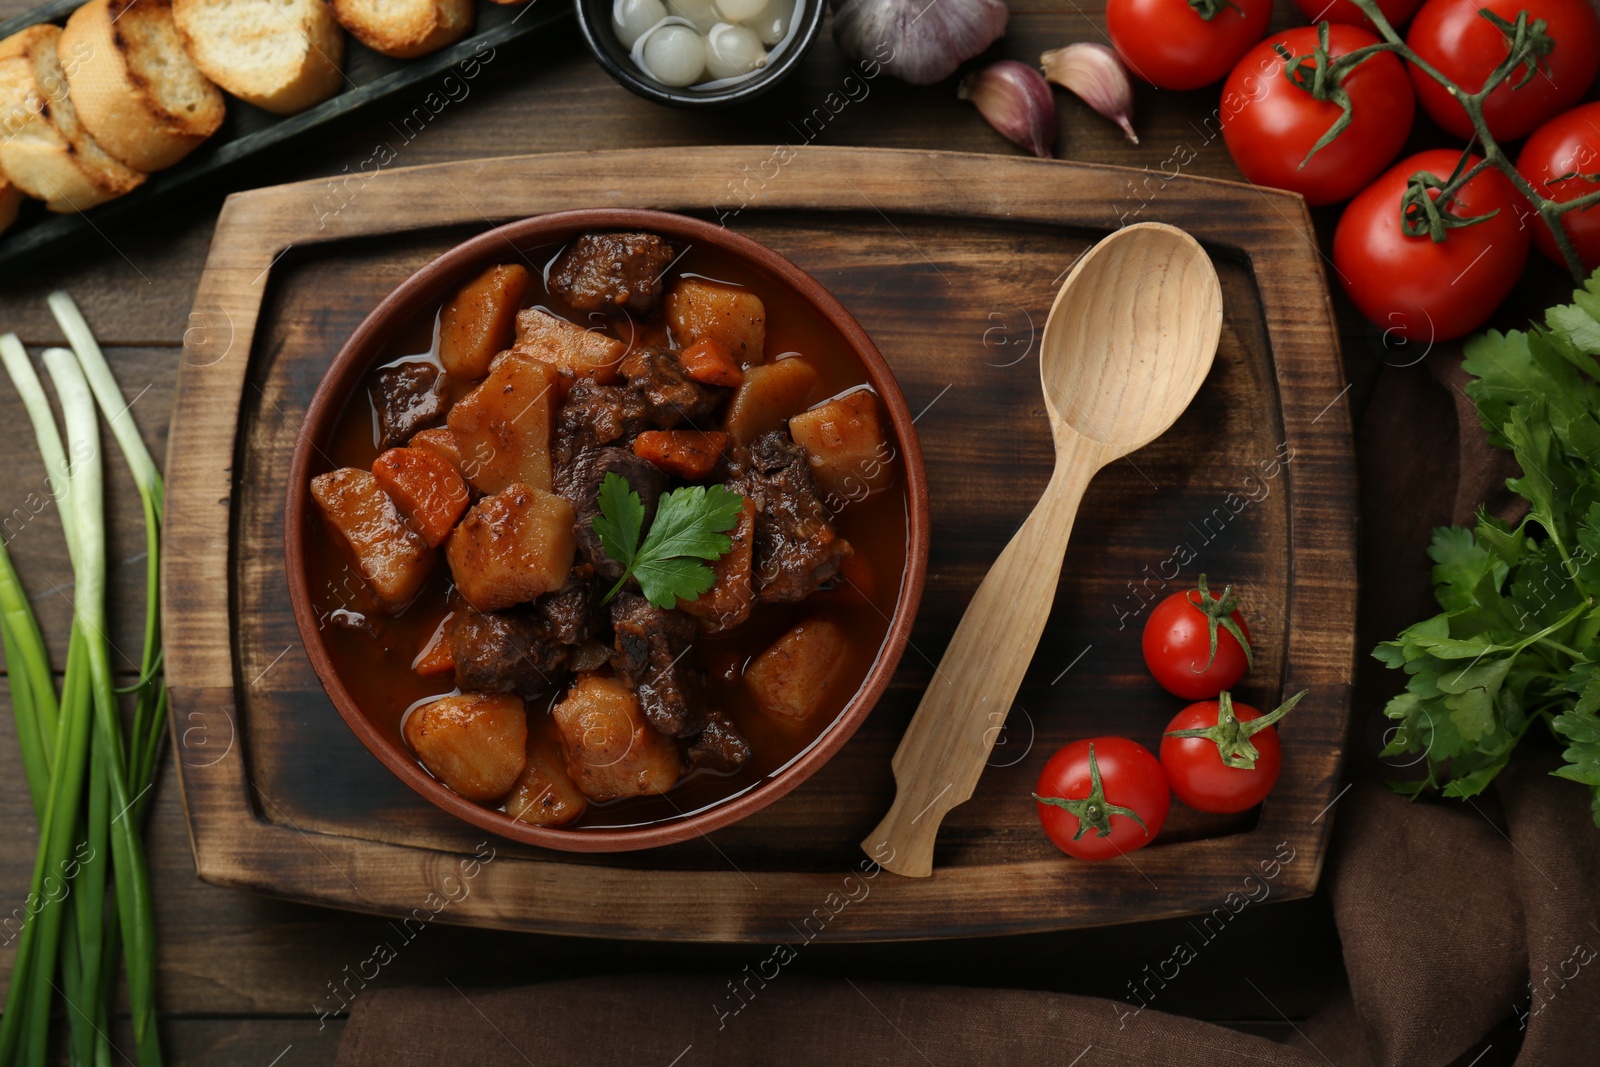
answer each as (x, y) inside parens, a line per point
(241, 977)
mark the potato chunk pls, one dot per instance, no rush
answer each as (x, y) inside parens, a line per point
(850, 457)
(503, 426)
(512, 547)
(545, 794)
(735, 318)
(791, 679)
(612, 752)
(441, 442)
(426, 489)
(770, 394)
(569, 347)
(475, 743)
(391, 556)
(727, 603)
(479, 320)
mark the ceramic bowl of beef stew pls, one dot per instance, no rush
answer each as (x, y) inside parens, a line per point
(606, 529)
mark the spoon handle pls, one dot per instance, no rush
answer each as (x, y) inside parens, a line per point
(964, 708)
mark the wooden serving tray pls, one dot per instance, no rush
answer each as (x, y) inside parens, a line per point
(950, 262)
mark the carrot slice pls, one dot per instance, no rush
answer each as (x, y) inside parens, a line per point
(436, 657)
(426, 489)
(689, 454)
(710, 362)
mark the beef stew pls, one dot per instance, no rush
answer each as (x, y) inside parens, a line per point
(633, 713)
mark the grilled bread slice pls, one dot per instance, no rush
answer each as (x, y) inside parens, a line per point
(44, 149)
(405, 28)
(281, 55)
(135, 88)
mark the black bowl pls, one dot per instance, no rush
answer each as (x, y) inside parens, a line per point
(594, 16)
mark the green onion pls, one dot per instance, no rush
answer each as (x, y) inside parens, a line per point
(90, 785)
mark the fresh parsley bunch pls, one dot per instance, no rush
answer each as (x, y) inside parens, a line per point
(1518, 641)
(690, 527)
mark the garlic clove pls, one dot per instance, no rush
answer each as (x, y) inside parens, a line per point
(1017, 101)
(1096, 74)
(917, 41)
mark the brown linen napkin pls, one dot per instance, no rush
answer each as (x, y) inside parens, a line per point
(1430, 900)
(1454, 916)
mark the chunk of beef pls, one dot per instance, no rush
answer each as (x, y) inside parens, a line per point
(566, 617)
(583, 486)
(406, 398)
(594, 416)
(612, 272)
(796, 546)
(652, 648)
(503, 652)
(719, 747)
(671, 398)
(525, 649)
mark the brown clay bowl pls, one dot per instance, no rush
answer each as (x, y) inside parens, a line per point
(430, 284)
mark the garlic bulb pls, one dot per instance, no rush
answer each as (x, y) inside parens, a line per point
(1017, 101)
(1094, 72)
(915, 40)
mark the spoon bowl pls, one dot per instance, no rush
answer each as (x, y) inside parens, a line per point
(1131, 336)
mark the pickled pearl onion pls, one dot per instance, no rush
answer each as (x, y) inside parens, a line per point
(678, 76)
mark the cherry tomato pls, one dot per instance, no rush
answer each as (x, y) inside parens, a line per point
(1095, 820)
(1195, 765)
(1396, 11)
(1173, 44)
(1420, 289)
(1567, 148)
(1465, 47)
(1191, 649)
(1273, 122)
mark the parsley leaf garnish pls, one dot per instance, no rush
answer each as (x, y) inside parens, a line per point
(1518, 641)
(690, 526)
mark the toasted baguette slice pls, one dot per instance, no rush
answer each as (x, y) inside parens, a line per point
(44, 149)
(281, 55)
(10, 202)
(404, 28)
(135, 88)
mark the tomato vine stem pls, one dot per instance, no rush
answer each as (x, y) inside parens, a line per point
(1528, 42)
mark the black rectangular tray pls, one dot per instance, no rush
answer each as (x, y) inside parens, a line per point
(249, 132)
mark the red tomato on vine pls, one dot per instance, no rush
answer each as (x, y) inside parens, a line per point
(1458, 262)
(1346, 12)
(1561, 160)
(1457, 41)
(1185, 44)
(1273, 132)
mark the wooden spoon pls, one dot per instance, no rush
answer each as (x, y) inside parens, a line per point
(1130, 338)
